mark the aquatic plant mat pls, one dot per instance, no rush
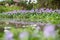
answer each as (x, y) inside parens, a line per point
(21, 22)
(32, 17)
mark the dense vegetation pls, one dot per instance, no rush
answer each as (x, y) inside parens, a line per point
(54, 4)
(8, 8)
(11, 10)
(36, 17)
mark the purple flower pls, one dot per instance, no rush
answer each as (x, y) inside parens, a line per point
(49, 30)
(23, 35)
(42, 10)
(48, 10)
(8, 35)
(23, 11)
(36, 10)
(31, 11)
(14, 11)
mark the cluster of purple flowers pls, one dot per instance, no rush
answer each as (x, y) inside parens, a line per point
(48, 31)
(33, 10)
(8, 35)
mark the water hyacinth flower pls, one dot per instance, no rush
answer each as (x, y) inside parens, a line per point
(36, 10)
(18, 11)
(22, 11)
(31, 11)
(24, 35)
(48, 10)
(14, 11)
(49, 31)
(8, 35)
(42, 10)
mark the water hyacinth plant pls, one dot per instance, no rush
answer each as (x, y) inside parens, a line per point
(34, 10)
(29, 20)
(30, 33)
(35, 17)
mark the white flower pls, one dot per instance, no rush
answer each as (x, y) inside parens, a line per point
(27, 1)
(33, 1)
(7, 28)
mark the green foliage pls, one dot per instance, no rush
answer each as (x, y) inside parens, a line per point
(29, 6)
(1, 35)
(2, 9)
(25, 5)
(8, 8)
(1, 31)
(35, 17)
(49, 3)
(41, 3)
(2, 3)
(9, 2)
